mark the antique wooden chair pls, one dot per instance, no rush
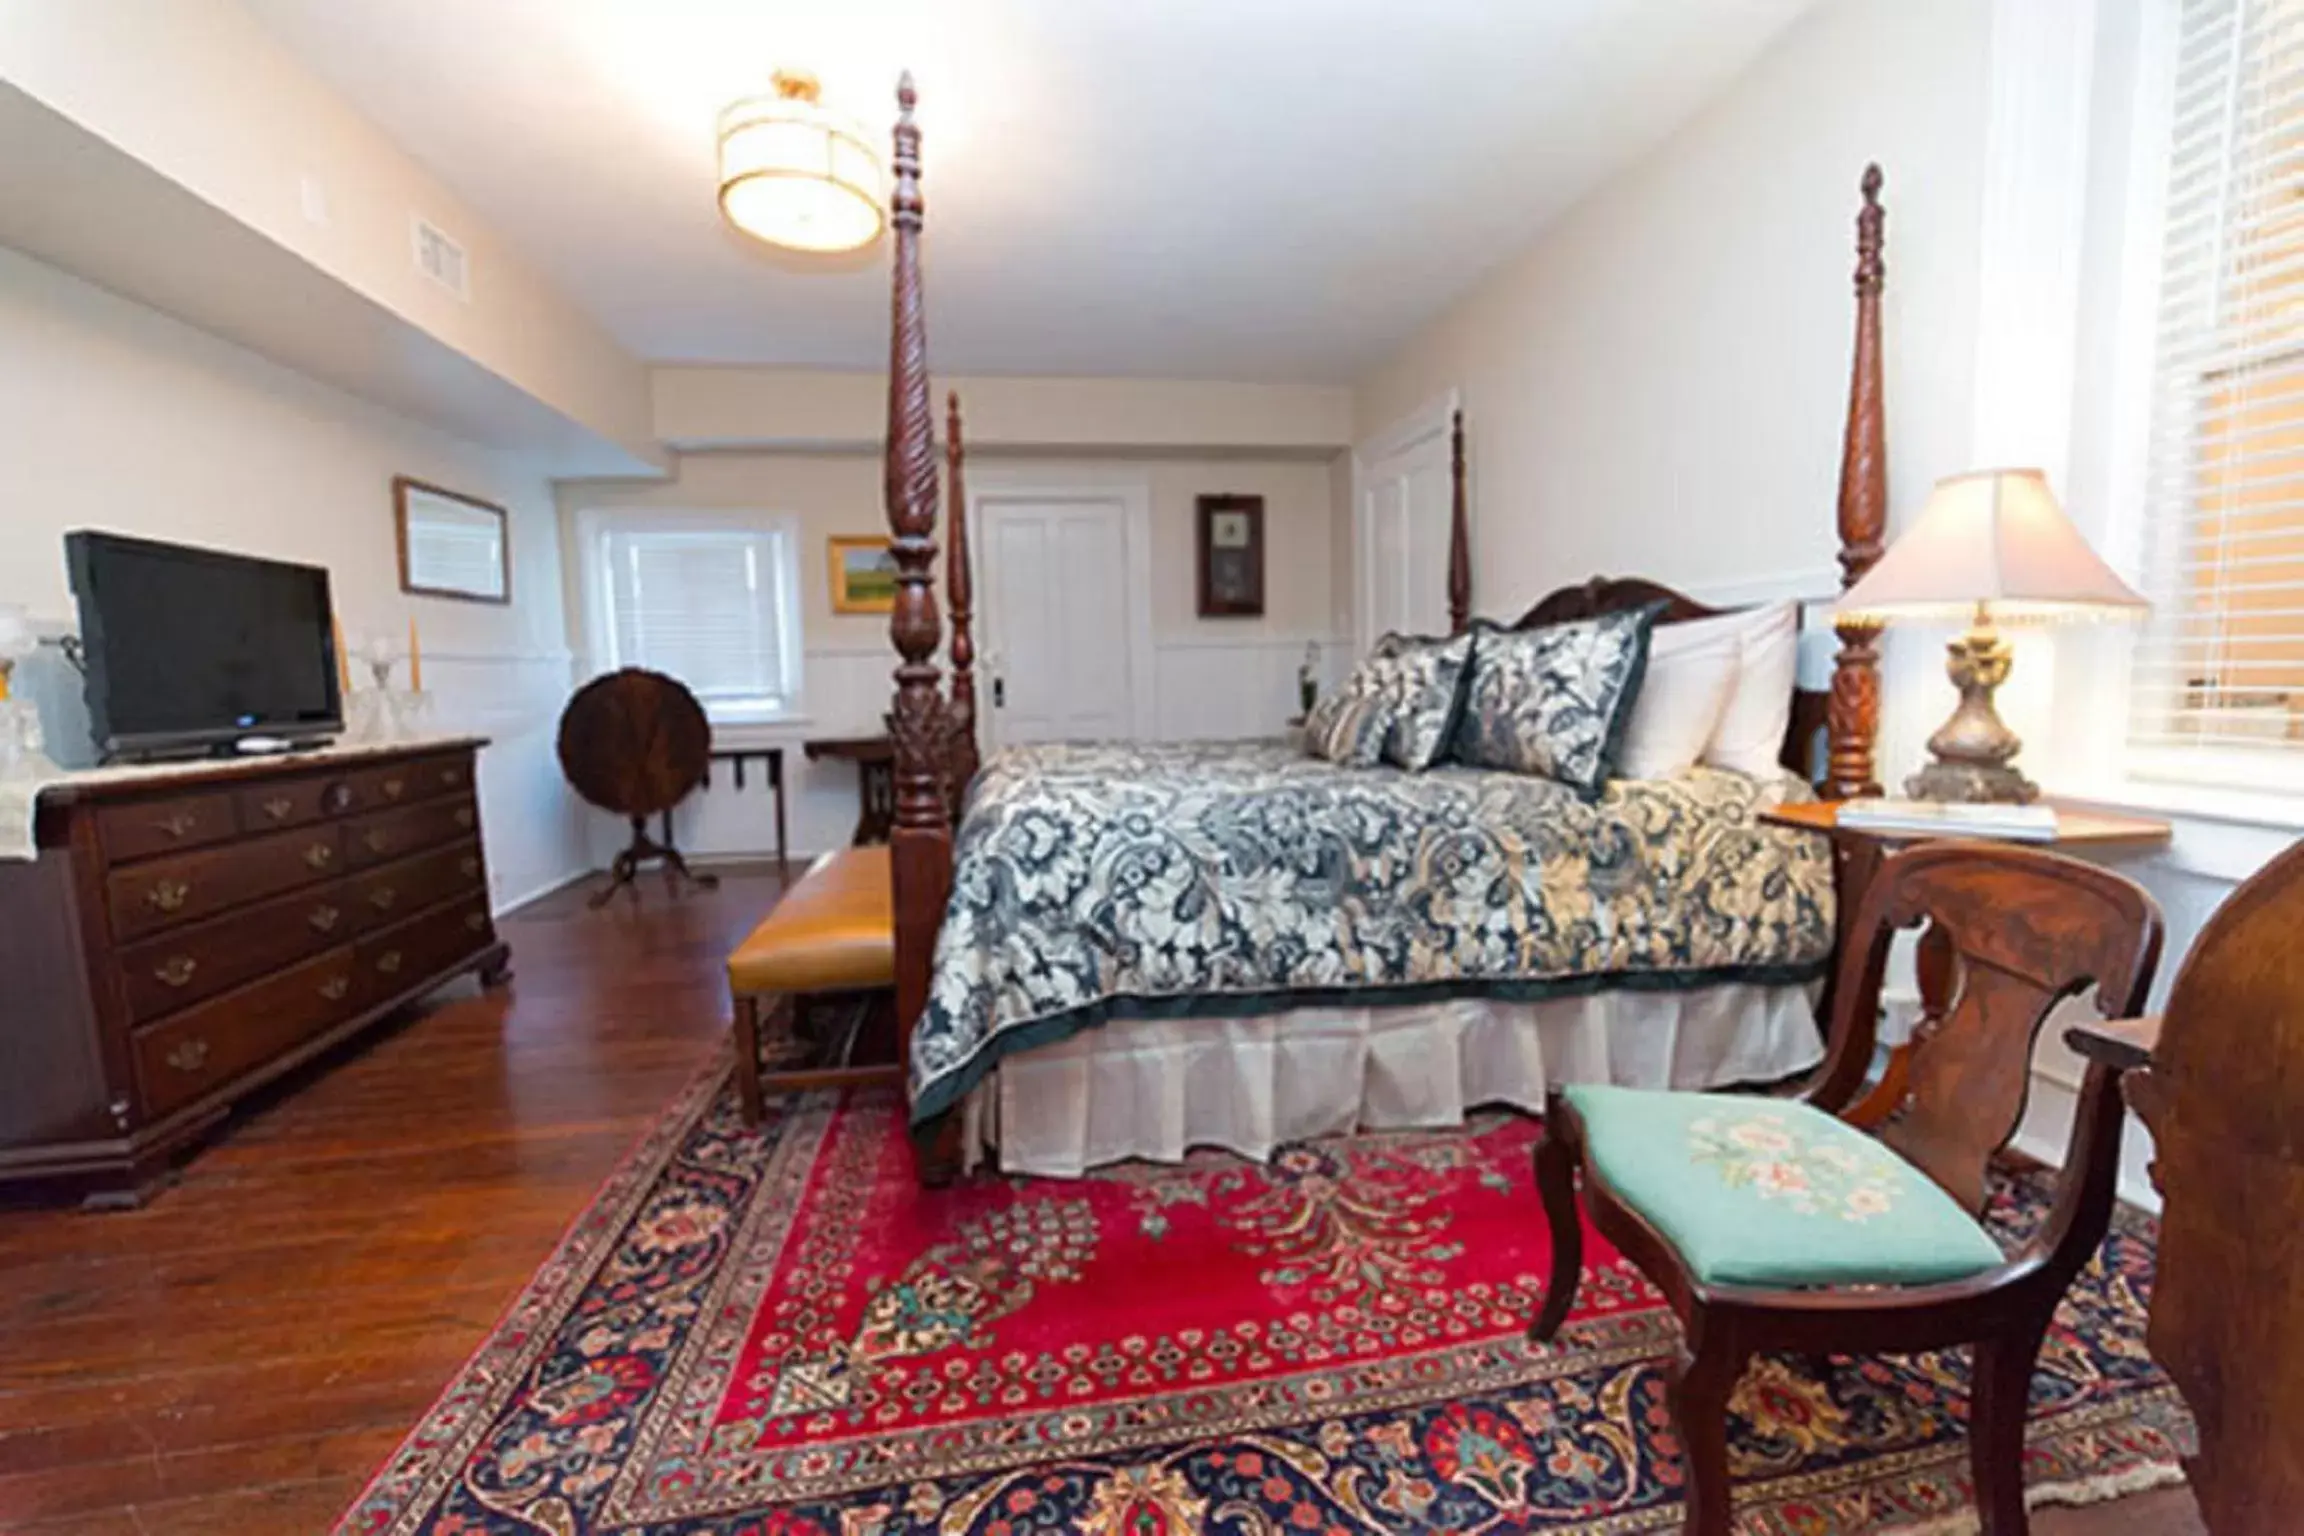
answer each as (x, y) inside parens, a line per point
(2219, 1080)
(1775, 1224)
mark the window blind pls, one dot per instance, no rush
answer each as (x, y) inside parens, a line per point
(713, 607)
(2221, 666)
(2222, 662)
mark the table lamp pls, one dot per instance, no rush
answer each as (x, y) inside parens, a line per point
(1993, 546)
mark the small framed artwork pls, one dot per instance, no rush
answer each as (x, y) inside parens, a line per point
(451, 545)
(863, 574)
(1231, 557)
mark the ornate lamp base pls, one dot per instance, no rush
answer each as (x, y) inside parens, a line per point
(1973, 749)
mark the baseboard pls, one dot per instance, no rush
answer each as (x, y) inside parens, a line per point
(557, 883)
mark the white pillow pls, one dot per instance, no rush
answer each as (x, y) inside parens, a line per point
(1691, 673)
(1750, 735)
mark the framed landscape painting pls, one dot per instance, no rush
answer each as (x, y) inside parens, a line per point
(863, 574)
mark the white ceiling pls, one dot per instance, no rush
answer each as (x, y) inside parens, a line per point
(1278, 190)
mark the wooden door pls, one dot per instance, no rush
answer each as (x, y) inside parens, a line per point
(1405, 494)
(1053, 575)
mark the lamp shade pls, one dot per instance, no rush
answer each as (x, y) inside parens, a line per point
(1994, 539)
(796, 175)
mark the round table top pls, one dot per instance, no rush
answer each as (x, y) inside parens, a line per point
(634, 742)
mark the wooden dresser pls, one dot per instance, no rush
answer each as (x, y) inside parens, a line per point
(185, 937)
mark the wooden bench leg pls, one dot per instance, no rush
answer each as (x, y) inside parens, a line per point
(748, 1059)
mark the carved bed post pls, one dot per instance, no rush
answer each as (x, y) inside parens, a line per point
(1852, 720)
(962, 756)
(1459, 534)
(920, 842)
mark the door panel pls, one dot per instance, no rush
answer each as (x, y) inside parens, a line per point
(1057, 622)
(1407, 503)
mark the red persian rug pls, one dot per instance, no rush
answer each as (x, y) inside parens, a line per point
(778, 1334)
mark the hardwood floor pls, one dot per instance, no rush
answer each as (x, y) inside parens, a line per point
(240, 1355)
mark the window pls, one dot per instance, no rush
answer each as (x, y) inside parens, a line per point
(2219, 690)
(711, 599)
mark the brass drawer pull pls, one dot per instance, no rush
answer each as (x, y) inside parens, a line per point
(179, 825)
(382, 898)
(389, 962)
(168, 895)
(394, 789)
(468, 867)
(475, 921)
(189, 1056)
(451, 777)
(335, 987)
(175, 971)
(278, 807)
(376, 839)
(320, 855)
(464, 816)
(323, 919)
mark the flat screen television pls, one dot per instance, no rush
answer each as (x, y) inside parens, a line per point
(188, 650)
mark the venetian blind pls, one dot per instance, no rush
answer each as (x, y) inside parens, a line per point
(714, 607)
(2221, 666)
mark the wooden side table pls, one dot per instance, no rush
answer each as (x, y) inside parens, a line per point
(1857, 853)
(875, 760)
(772, 759)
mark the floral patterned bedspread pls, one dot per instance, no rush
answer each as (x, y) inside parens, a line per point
(1124, 880)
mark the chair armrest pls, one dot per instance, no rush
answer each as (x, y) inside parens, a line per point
(2122, 1044)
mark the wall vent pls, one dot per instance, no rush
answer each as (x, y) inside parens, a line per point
(441, 259)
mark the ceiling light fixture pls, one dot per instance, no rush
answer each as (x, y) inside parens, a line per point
(796, 175)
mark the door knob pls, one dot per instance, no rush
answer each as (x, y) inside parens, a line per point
(999, 693)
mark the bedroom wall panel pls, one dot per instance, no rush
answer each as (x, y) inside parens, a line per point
(1234, 690)
(115, 416)
(1231, 678)
(1656, 386)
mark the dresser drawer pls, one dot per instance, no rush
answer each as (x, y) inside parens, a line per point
(206, 1046)
(143, 828)
(394, 959)
(405, 783)
(395, 834)
(162, 893)
(184, 965)
(386, 894)
(295, 802)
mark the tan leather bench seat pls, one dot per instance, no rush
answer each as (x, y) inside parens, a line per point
(834, 931)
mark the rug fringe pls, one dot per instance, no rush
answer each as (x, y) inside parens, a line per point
(2071, 1493)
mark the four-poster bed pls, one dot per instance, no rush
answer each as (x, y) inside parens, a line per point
(1752, 939)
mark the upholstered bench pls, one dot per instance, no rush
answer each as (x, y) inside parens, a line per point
(834, 932)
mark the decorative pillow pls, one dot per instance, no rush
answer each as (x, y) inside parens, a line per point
(1554, 701)
(1750, 735)
(1691, 673)
(1348, 727)
(1423, 682)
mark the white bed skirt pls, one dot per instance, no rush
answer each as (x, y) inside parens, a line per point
(1153, 1088)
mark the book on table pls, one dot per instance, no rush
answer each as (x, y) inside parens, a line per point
(1937, 818)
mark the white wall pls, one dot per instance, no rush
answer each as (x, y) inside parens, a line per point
(1212, 677)
(1657, 386)
(202, 93)
(114, 416)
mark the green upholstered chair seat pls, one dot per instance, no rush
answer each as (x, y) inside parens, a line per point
(1768, 1192)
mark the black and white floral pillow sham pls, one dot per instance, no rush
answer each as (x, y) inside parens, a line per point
(1554, 701)
(1348, 728)
(1399, 706)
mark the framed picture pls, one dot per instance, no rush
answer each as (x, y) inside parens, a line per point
(863, 574)
(1231, 557)
(451, 545)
